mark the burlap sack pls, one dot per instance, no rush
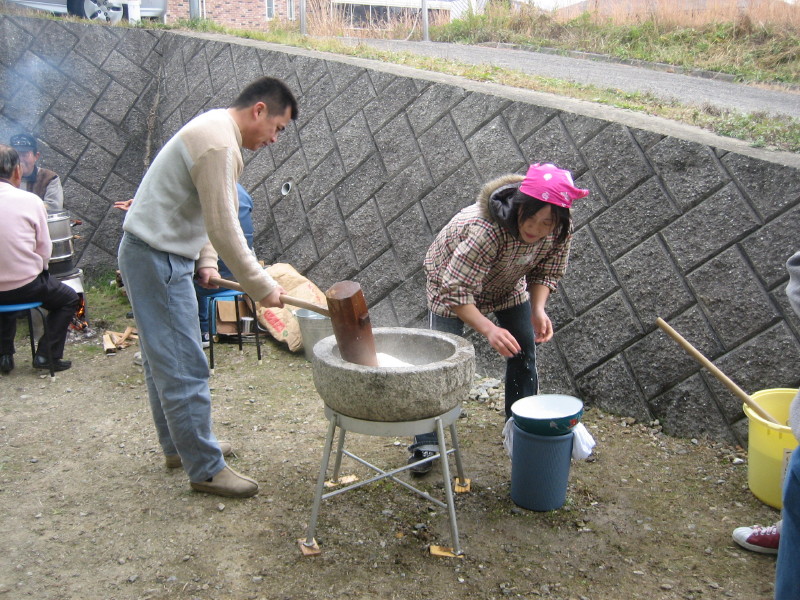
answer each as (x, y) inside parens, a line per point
(281, 322)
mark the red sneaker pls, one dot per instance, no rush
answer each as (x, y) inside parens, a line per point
(758, 539)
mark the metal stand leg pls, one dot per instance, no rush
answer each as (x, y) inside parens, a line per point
(448, 488)
(255, 326)
(338, 461)
(212, 328)
(309, 545)
(459, 465)
(238, 323)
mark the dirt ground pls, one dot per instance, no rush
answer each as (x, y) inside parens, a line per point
(90, 511)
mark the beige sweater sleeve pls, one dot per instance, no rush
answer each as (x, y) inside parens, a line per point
(215, 174)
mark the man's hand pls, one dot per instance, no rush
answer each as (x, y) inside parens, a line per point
(273, 299)
(123, 204)
(203, 275)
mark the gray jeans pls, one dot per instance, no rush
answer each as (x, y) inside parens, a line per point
(161, 290)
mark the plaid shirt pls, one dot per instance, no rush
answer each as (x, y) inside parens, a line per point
(476, 261)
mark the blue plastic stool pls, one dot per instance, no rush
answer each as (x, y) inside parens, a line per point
(28, 307)
(212, 321)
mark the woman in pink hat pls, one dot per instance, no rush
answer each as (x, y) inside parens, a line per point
(504, 255)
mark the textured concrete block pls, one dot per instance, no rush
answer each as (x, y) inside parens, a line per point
(652, 282)
(708, 228)
(403, 190)
(771, 187)
(457, 192)
(338, 265)
(93, 167)
(736, 304)
(366, 233)
(66, 139)
(689, 170)
(475, 110)
(327, 225)
(321, 181)
(390, 102)
(380, 277)
(382, 314)
(410, 238)
(494, 150)
(301, 254)
(550, 144)
(620, 171)
(345, 106)
(397, 145)
(355, 143)
(551, 366)
(658, 362)
(108, 136)
(86, 205)
(581, 128)
(688, 411)
(443, 149)
(598, 334)
(770, 247)
(636, 217)
(289, 218)
(612, 388)
(588, 279)
(432, 105)
(524, 119)
(409, 300)
(316, 139)
(354, 189)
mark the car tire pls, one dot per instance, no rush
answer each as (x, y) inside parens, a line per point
(95, 10)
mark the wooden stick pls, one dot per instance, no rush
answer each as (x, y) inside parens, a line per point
(694, 353)
(292, 301)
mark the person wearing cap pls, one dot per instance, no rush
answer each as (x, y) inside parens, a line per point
(40, 181)
(25, 246)
(504, 255)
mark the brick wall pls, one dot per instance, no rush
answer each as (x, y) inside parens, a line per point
(680, 224)
(243, 14)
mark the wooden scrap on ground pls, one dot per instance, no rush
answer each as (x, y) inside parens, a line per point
(114, 340)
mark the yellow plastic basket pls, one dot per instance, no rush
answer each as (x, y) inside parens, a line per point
(769, 445)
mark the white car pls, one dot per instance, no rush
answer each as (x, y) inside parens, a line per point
(104, 10)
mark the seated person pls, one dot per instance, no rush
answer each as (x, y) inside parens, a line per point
(42, 182)
(246, 221)
(26, 247)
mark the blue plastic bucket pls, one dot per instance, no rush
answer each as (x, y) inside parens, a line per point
(540, 469)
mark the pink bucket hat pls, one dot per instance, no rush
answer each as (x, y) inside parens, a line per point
(548, 183)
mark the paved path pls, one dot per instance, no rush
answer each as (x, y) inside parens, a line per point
(686, 89)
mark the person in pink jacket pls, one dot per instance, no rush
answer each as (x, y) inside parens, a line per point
(26, 247)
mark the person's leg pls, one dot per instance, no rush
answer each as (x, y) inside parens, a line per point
(787, 575)
(522, 379)
(426, 444)
(61, 302)
(161, 291)
(8, 331)
(202, 307)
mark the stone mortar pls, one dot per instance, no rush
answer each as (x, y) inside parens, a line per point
(443, 367)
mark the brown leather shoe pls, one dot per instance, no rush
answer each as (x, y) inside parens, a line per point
(173, 461)
(227, 483)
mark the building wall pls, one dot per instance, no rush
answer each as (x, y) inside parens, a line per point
(680, 224)
(243, 14)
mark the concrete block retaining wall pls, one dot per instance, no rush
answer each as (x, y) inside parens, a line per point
(680, 224)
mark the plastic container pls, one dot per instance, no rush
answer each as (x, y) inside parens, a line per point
(769, 445)
(540, 469)
(313, 327)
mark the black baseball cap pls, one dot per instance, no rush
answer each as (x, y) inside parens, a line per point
(23, 142)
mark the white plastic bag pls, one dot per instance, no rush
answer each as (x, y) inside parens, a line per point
(508, 435)
(582, 442)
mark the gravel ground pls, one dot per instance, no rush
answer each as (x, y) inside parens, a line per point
(91, 511)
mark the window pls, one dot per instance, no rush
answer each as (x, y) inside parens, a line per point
(290, 10)
(270, 9)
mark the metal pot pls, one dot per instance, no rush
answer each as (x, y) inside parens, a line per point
(62, 249)
(58, 225)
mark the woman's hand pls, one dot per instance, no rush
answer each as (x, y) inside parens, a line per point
(501, 340)
(542, 326)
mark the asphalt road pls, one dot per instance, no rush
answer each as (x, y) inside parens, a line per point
(687, 89)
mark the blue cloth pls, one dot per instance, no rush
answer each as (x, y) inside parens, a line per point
(787, 575)
(522, 378)
(246, 221)
(160, 287)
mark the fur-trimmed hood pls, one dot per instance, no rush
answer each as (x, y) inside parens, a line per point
(494, 199)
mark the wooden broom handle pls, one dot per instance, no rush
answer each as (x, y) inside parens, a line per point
(694, 353)
(232, 285)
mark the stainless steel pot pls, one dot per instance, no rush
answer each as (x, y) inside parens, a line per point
(62, 250)
(58, 225)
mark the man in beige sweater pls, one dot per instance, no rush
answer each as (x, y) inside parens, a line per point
(184, 212)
